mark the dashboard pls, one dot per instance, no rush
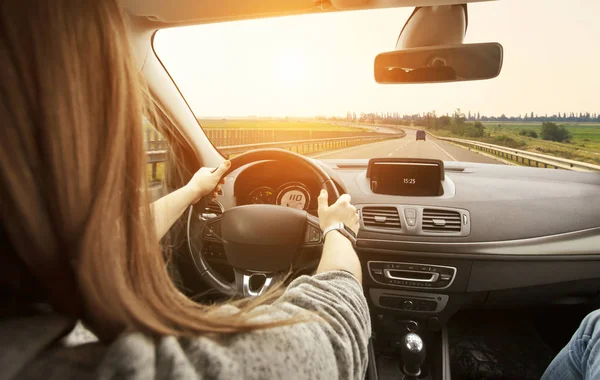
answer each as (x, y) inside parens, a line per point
(495, 235)
(512, 236)
(500, 206)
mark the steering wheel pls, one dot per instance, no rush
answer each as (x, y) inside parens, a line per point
(260, 242)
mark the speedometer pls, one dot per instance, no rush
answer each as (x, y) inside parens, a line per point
(294, 195)
(262, 196)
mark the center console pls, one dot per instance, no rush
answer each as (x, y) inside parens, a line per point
(410, 276)
(410, 295)
(410, 300)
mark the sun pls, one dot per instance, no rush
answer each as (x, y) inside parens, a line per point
(291, 67)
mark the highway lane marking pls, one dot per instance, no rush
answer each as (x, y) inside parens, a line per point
(490, 156)
(343, 150)
(442, 149)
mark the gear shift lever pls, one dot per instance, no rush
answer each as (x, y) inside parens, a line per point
(413, 355)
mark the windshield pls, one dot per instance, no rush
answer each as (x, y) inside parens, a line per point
(310, 77)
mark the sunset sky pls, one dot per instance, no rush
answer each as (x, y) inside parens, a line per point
(323, 64)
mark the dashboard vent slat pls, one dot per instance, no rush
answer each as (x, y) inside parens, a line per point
(435, 220)
(381, 217)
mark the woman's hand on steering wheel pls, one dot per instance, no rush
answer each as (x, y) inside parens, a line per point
(339, 212)
(207, 180)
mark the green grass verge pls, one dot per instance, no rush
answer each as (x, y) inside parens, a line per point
(585, 145)
(585, 135)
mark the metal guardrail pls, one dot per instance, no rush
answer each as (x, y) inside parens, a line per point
(243, 136)
(524, 157)
(154, 157)
(307, 146)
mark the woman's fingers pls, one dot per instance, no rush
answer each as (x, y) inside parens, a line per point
(225, 165)
(343, 200)
(222, 169)
(352, 209)
(342, 211)
(323, 197)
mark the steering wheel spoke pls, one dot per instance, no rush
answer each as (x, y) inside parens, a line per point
(212, 230)
(253, 284)
(313, 236)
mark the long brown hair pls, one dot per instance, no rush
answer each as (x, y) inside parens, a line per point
(75, 207)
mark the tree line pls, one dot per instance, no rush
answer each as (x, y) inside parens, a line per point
(459, 124)
(397, 118)
(580, 117)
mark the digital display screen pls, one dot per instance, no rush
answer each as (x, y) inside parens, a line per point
(406, 178)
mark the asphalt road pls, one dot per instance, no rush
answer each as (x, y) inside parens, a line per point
(410, 148)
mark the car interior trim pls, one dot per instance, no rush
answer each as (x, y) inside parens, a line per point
(397, 263)
(440, 299)
(583, 242)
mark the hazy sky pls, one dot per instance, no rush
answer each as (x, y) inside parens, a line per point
(323, 64)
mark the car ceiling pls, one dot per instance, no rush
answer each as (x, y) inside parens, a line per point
(179, 12)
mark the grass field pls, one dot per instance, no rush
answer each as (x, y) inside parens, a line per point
(585, 145)
(292, 125)
(585, 135)
(280, 124)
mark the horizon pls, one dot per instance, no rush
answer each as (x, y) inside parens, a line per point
(593, 115)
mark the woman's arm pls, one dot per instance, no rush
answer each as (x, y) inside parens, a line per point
(338, 253)
(332, 344)
(169, 208)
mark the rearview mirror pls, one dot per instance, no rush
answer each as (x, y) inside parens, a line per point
(433, 64)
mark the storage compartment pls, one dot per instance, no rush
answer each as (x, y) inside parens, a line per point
(564, 293)
(487, 275)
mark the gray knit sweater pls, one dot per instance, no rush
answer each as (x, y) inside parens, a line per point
(333, 347)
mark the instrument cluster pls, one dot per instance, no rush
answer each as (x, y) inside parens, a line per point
(290, 194)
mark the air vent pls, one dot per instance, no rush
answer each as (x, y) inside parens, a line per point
(381, 217)
(212, 210)
(436, 220)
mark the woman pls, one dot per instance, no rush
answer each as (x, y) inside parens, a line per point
(80, 240)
